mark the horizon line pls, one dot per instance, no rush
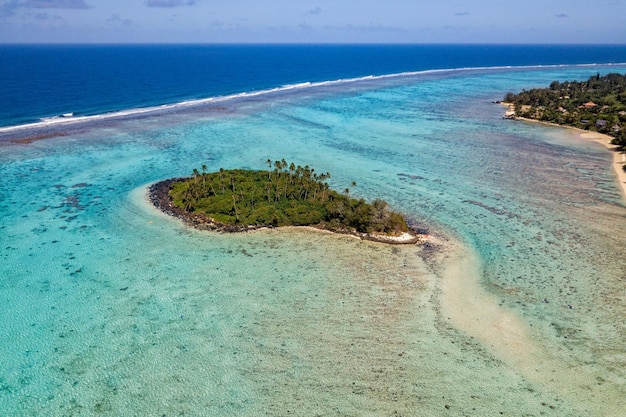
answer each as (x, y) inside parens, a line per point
(315, 43)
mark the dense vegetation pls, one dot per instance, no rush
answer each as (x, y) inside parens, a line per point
(285, 194)
(598, 104)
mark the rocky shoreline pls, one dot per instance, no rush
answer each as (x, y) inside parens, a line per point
(159, 196)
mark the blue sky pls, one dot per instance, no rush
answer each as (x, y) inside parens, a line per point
(313, 21)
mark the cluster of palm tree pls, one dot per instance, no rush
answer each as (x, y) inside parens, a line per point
(286, 194)
(292, 181)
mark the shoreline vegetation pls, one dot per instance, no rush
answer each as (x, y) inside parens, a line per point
(595, 108)
(240, 200)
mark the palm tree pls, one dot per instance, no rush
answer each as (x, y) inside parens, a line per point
(292, 170)
(326, 187)
(277, 166)
(235, 207)
(211, 185)
(195, 181)
(269, 172)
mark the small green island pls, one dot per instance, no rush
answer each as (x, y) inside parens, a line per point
(286, 194)
(597, 104)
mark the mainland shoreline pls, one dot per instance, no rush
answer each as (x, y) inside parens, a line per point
(619, 159)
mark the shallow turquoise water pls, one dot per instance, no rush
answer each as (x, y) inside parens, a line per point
(110, 308)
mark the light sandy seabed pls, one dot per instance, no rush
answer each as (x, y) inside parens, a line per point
(160, 319)
(402, 314)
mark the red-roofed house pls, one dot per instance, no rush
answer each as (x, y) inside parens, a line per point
(588, 105)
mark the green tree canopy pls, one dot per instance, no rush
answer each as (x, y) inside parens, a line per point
(597, 104)
(288, 194)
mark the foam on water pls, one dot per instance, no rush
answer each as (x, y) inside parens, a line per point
(72, 120)
(111, 308)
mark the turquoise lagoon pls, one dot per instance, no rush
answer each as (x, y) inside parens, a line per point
(515, 306)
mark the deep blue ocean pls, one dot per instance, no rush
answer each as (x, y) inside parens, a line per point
(39, 81)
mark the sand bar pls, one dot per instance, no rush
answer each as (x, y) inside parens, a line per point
(468, 307)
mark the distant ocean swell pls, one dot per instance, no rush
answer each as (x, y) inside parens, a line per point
(44, 81)
(76, 118)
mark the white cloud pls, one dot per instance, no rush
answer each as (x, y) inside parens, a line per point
(10, 7)
(53, 4)
(170, 3)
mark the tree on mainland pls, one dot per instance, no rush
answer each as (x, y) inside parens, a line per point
(598, 104)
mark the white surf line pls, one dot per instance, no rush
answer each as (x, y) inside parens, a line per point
(63, 121)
